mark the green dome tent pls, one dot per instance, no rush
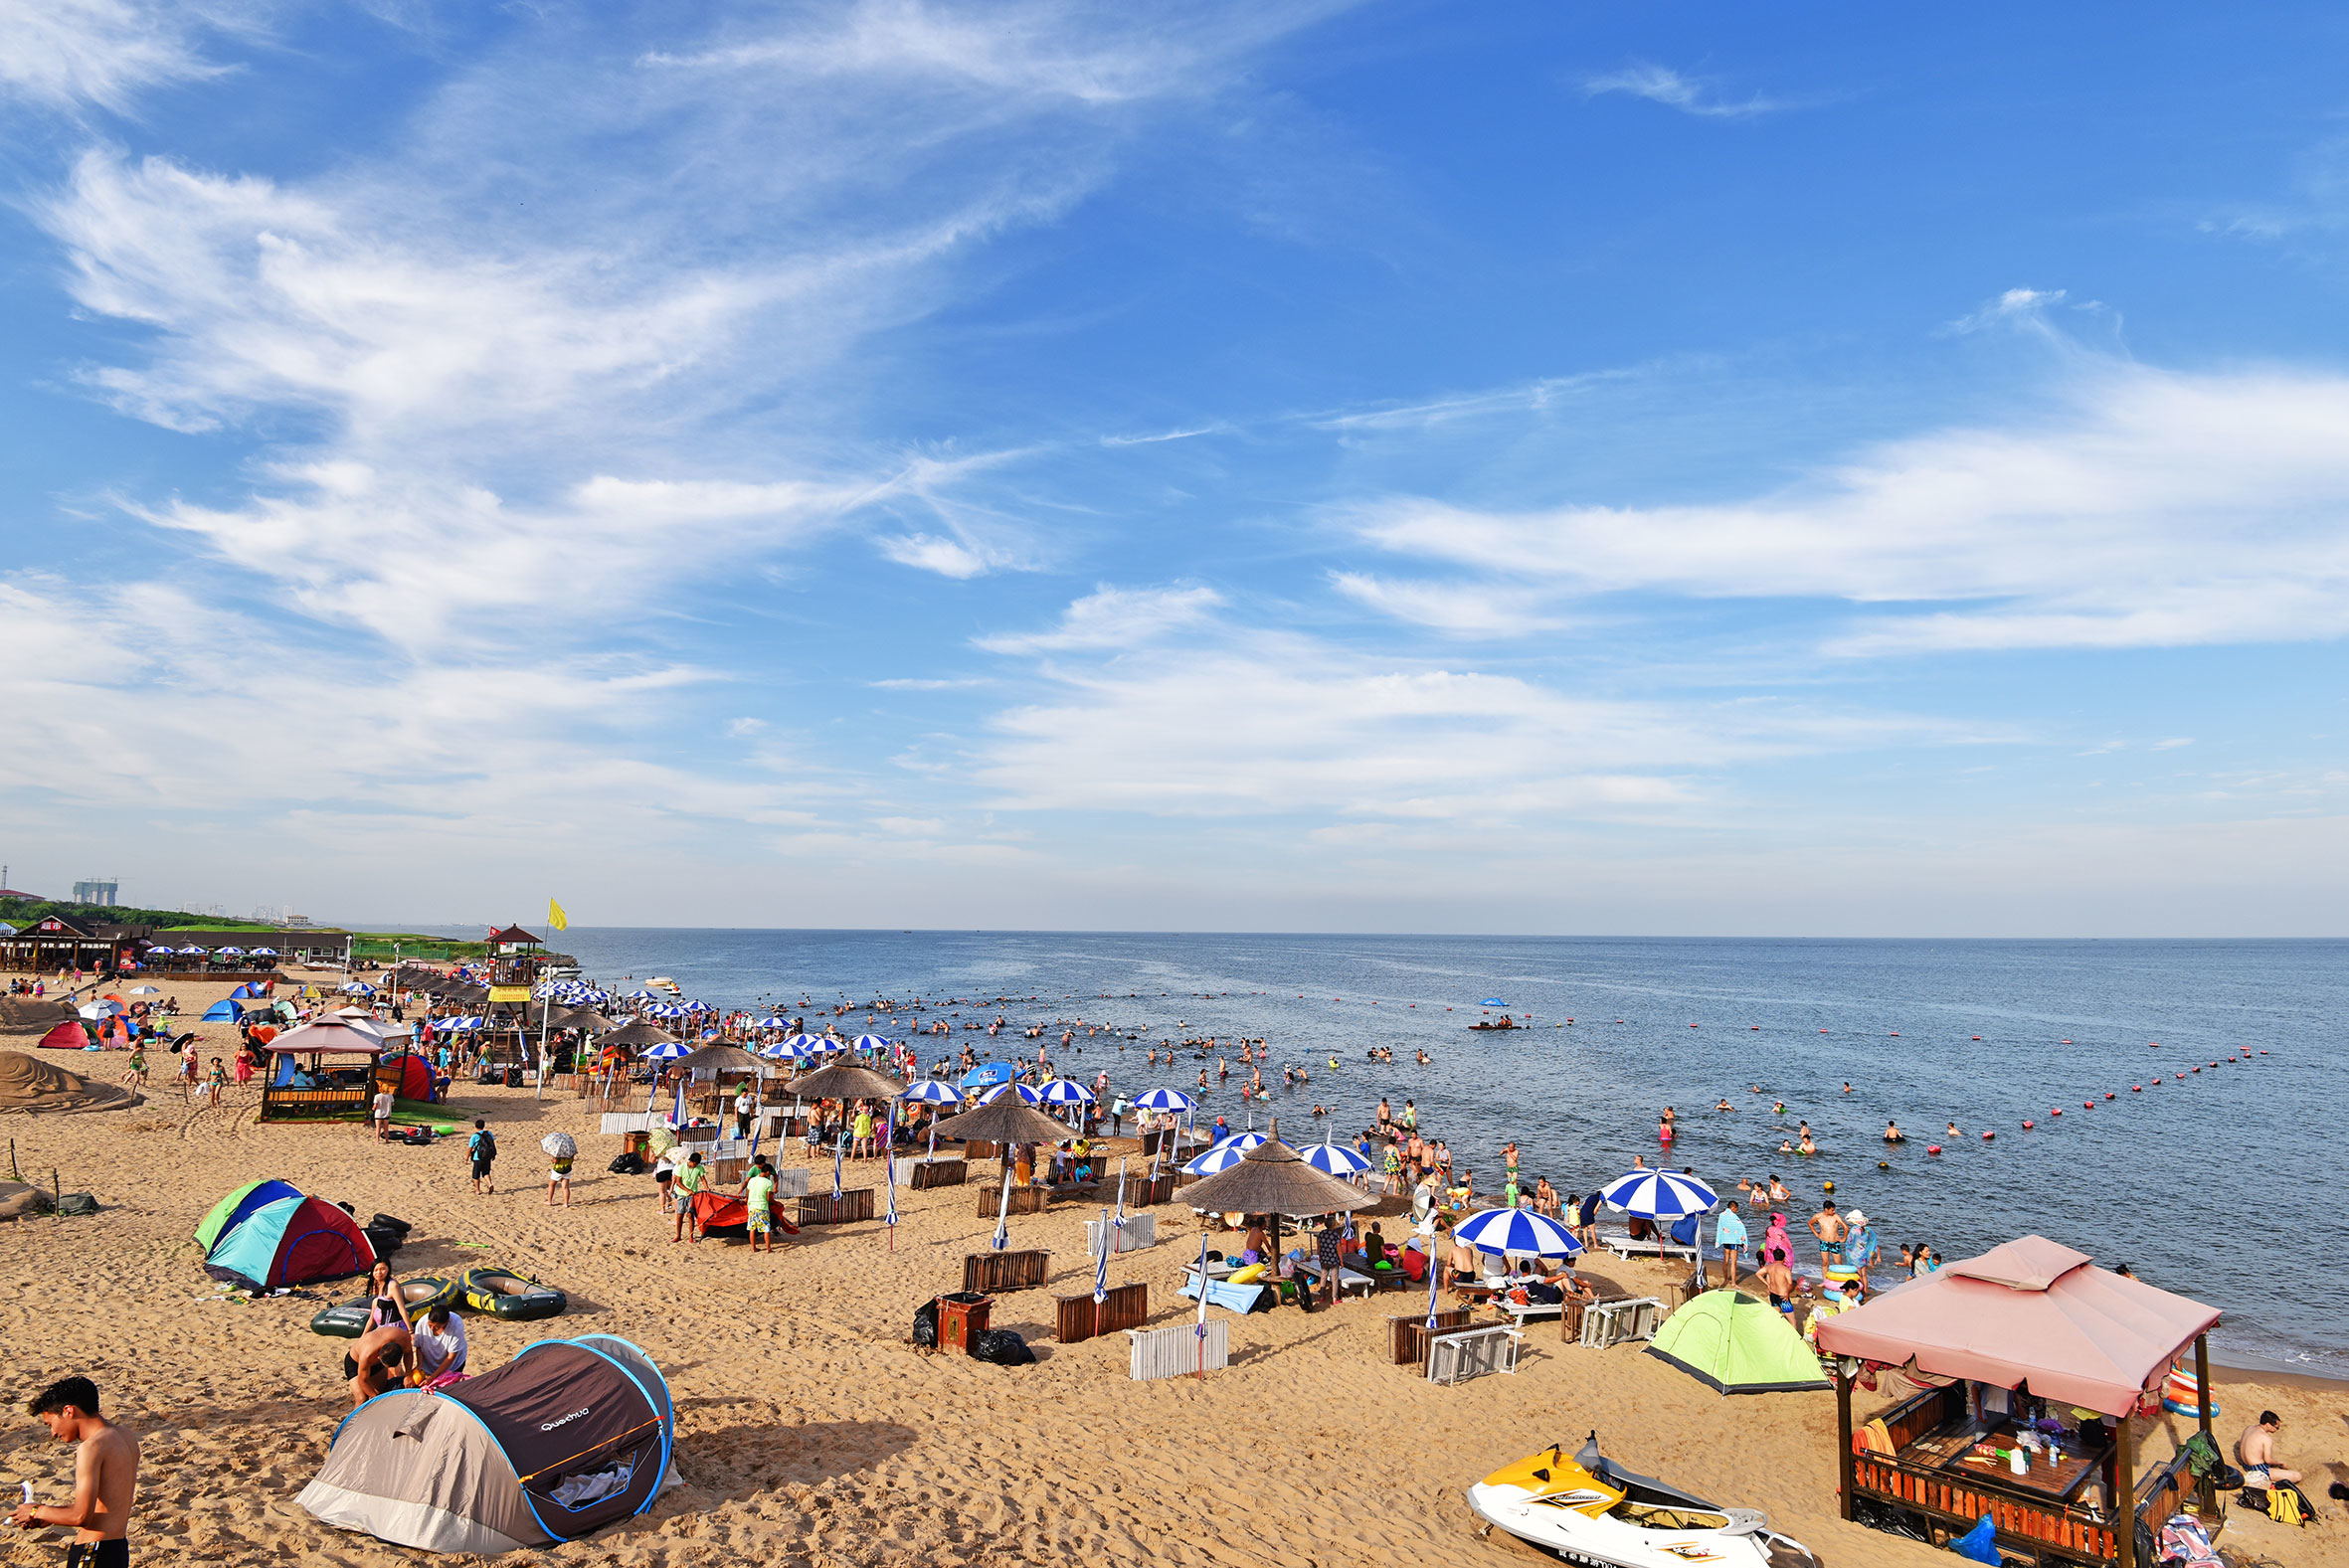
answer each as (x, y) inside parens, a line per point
(1737, 1344)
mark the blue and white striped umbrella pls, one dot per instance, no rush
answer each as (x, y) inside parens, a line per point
(1065, 1092)
(698, 1005)
(873, 1042)
(264, 952)
(1166, 1100)
(641, 995)
(934, 1092)
(807, 1044)
(1221, 1157)
(358, 988)
(1334, 1159)
(1027, 1095)
(230, 953)
(550, 988)
(1658, 1194)
(1518, 1232)
(1245, 1142)
(664, 1010)
(184, 950)
(669, 1051)
(772, 1023)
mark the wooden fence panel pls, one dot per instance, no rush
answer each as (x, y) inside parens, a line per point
(990, 1273)
(1177, 1349)
(1080, 1317)
(940, 1173)
(844, 1208)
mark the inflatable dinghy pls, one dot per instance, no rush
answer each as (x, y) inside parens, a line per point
(501, 1293)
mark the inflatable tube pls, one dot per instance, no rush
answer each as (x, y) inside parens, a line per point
(348, 1320)
(501, 1293)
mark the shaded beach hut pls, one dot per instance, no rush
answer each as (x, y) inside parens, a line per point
(1273, 1178)
(295, 1094)
(2023, 1339)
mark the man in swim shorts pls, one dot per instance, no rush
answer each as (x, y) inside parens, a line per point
(105, 1476)
(759, 1199)
(2256, 1450)
(1829, 1227)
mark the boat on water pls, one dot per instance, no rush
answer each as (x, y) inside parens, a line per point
(1502, 1022)
(1587, 1509)
(662, 982)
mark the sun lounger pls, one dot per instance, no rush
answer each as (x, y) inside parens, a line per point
(1651, 1246)
(1241, 1299)
(1521, 1313)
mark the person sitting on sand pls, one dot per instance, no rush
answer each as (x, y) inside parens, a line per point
(2255, 1451)
(379, 1361)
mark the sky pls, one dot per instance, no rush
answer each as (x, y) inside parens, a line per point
(1565, 467)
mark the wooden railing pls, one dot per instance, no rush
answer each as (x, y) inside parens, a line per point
(300, 1105)
(2034, 1524)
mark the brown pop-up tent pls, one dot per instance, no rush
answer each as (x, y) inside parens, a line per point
(568, 1437)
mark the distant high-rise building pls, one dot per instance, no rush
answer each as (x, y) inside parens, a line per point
(96, 892)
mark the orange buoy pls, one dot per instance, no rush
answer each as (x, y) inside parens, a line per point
(1692, 1026)
(2027, 1125)
(2088, 1104)
(1824, 1031)
(2062, 1042)
(1988, 1136)
(2136, 1089)
(2109, 1095)
(1933, 1148)
(1977, 1037)
(1753, 1026)
(2153, 1045)
(1895, 1034)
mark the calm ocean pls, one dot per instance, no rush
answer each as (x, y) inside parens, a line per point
(2204, 1184)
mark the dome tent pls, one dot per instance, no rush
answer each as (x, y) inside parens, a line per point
(1736, 1344)
(568, 1437)
(286, 1239)
(229, 1210)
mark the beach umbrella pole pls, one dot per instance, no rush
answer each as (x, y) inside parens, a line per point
(1003, 1235)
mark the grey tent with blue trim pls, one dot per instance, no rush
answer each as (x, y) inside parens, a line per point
(568, 1437)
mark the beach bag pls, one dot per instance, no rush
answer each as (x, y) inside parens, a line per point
(1001, 1348)
(2206, 1462)
(77, 1203)
(627, 1164)
(2289, 1504)
(926, 1325)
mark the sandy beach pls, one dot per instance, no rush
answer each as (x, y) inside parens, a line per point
(810, 1430)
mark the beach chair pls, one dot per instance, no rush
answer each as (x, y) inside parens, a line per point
(1240, 1298)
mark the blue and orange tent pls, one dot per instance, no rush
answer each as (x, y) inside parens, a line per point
(268, 1234)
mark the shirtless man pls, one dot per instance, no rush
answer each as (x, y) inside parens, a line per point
(381, 1360)
(1829, 1227)
(2257, 1451)
(106, 1474)
(1778, 1280)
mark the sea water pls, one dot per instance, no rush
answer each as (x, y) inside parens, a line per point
(2220, 1186)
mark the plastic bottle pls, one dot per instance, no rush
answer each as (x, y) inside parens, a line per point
(2017, 1462)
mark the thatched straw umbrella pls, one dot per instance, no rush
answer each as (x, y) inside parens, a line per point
(847, 1082)
(638, 1035)
(1273, 1178)
(720, 1059)
(1005, 1122)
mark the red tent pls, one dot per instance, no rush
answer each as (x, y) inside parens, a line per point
(68, 1035)
(415, 1076)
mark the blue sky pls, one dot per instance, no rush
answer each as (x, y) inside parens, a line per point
(1558, 468)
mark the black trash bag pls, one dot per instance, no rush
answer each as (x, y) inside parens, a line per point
(926, 1325)
(1002, 1347)
(73, 1203)
(628, 1164)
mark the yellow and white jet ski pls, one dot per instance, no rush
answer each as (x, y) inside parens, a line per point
(1585, 1510)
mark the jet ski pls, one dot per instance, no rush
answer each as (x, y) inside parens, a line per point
(1585, 1510)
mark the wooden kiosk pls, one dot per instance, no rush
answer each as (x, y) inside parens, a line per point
(2028, 1336)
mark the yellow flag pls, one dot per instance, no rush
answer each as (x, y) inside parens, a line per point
(555, 916)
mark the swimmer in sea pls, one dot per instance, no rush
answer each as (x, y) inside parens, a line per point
(1953, 1132)
(1779, 1108)
(1806, 1147)
(1893, 1135)
(1785, 1147)
(1723, 1104)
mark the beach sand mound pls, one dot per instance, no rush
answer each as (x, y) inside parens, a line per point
(29, 1084)
(32, 1014)
(18, 1200)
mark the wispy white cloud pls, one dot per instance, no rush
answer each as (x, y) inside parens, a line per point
(73, 54)
(1459, 609)
(1113, 617)
(2145, 508)
(1670, 88)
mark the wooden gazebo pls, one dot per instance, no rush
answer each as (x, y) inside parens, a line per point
(2030, 1335)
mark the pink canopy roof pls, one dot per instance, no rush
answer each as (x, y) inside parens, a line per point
(2029, 1312)
(329, 1037)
